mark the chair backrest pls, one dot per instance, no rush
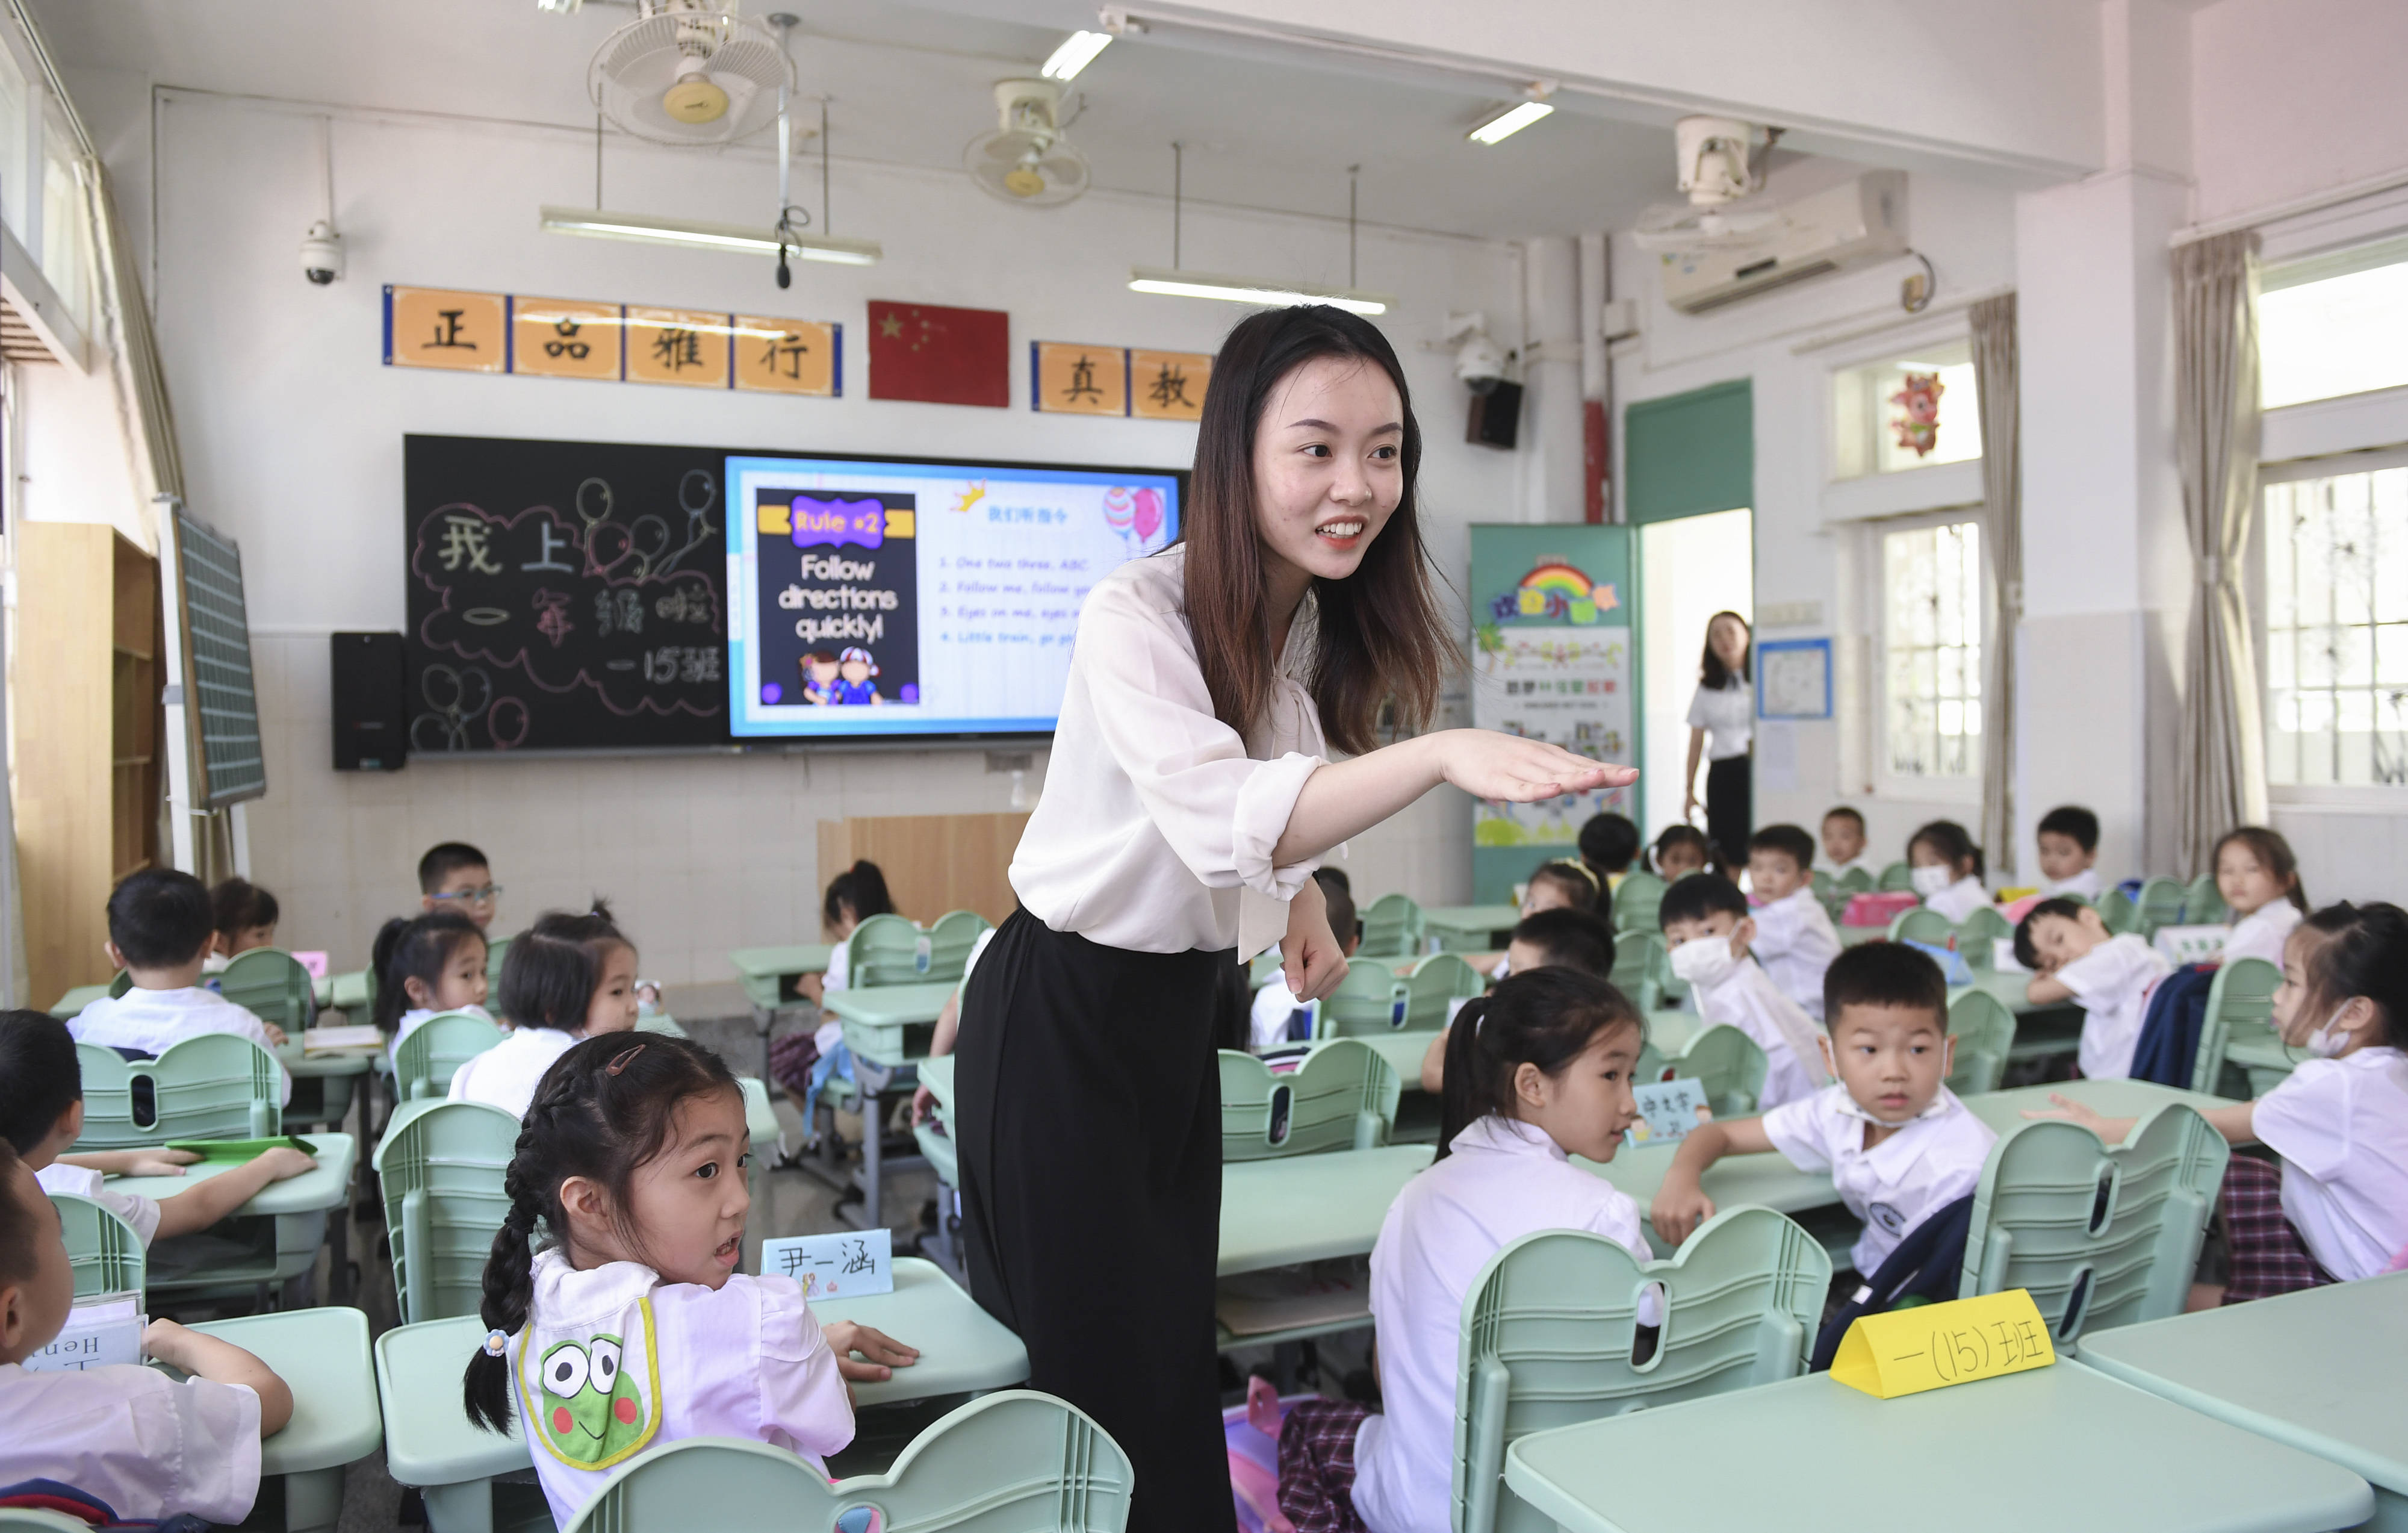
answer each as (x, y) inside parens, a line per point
(1433, 987)
(1856, 881)
(1012, 1462)
(1369, 1001)
(1727, 1063)
(888, 950)
(1344, 1096)
(2239, 1003)
(37, 1520)
(1921, 924)
(2161, 904)
(422, 1062)
(1633, 967)
(214, 1086)
(1551, 1324)
(950, 941)
(102, 1248)
(1393, 927)
(1976, 934)
(2203, 903)
(2117, 912)
(441, 1168)
(1635, 901)
(270, 984)
(1985, 1030)
(2101, 1237)
(1897, 878)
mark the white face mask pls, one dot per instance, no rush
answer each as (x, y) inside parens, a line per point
(2326, 1042)
(1932, 879)
(1704, 961)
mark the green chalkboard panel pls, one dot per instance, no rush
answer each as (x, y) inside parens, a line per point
(221, 705)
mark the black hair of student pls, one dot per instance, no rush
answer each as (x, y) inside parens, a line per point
(159, 917)
(1576, 879)
(239, 905)
(2026, 952)
(1329, 877)
(1569, 939)
(2363, 950)
(415, 948)
(1344, 923)
(1884, 974)
(1712, 673)
(1700, 895)
(862, 890)
(18, 1226)
(1951, 841)
(2272, 853)
(1608, 843)
(604, 1110)
(1791, 841)
(2073, 822)
(551, 969)
(1545, 1017)
(39, 1077)
(1688, 836)
(1842, 811)
(445, 858)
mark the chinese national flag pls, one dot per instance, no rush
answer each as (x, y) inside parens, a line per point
(945, 357)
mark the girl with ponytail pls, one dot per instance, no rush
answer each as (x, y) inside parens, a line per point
(424, 967)
(630, 1325)
(1536, 1070)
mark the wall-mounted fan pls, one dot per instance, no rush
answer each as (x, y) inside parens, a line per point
(1722, 164)
(1025, 160)
(689, 72)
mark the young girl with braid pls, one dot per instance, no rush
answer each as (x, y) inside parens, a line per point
(630, 1325)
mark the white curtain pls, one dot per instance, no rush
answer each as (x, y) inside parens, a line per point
(1995, 376)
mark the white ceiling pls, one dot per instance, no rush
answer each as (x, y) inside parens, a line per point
(912, 85)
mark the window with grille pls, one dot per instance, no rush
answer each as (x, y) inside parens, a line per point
(2336, 562)
(1931, 651)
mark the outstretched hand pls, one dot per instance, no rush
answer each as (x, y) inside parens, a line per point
(1487, 764)
(881, 1353)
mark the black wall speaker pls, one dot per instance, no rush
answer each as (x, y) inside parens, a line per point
(371, 726)
(1496, 416)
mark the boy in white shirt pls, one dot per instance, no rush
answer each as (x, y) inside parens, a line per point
(2068, 844)
(2074, 958)
(1795, 941)
(1898, 1144)
(1278, 1016)
(162, 925)
(149, 1446)
(1708, 928)
(1843, 843)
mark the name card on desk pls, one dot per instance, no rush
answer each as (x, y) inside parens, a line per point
(101, 1329)
(1906, 1352)
(1668, 1110)
(849, 1263)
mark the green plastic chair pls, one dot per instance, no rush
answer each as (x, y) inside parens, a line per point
(1636, 902)
(423, 1063)
(1012, 1462)
(1393, 927)
(34, 1520)
(1432, 987)
(1896, 878)
(1921, 924)
(270, 984)
(1856, 881)
(2161, 904)
(888, 950)
(1343, 1098)
(1551, 1325)
(122, 983)
(216, 1087)
(2203, 903)
(2101, 1237)
(950, 941)
(1727, 1063)
(2239, 1010)
(1631, 960)
(1982, 926)
(441, 1168)
(105, 1252)
(1984, 1031)
(2117, 912)
(496, 948)
(1371, 1000)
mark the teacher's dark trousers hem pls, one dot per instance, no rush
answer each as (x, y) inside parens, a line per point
(1730, 809)
(1088, 1111)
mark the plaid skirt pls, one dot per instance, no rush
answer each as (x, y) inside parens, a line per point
(2268, 1257)
(791, 1054)
(1316, 1466)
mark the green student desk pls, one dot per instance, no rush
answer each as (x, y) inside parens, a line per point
(2318, 1370)
(1469, 928)
(70, 1006)
(431, 1444)
(326, 1190)
(884, 1026)
(2060, 1448)
(1310, 1207)
(323, 1354)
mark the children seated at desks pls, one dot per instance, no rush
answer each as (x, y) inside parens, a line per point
(41, 1115)
(1709, 927)
(1844, 844)
(424, 967)
(1947, 869)
(801, 1062)
(454, 876)
(1795, 941)
(161, 927)
(631, 1326)
(1571, 938)
(147, 1445)
(2331, 1204)
(1679, 851)
(1609, 843)
(566, 978)
(2259, 879)
(246, 919)
(1898, 1143)
(1537, 1071)
(2074, 958)
(1277, 1016)
(2068, 844)
(1564, 884)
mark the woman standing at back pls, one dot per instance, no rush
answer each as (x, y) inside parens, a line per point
(1722, 723)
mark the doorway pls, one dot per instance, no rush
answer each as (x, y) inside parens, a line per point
(1689, 569)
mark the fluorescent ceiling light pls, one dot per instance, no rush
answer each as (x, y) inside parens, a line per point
(1509, 121)
(1077, 51)
(646, 229)
(1248, 290)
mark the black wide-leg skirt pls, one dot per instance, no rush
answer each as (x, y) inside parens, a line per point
(1730, 811)
(1087, 1107)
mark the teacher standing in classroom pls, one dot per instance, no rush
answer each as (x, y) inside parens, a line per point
(1721, 722)
(1186, 804)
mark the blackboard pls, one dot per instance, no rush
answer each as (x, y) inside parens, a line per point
(230, 767)
(564, 595)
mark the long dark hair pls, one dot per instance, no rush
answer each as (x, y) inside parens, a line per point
(415, 948)
(862, 890)
(604, 1109)
(1380, 634)
(2274, 853)
(1951, 841)
(1543, 1016)
(2362, 950)
(1712, 673)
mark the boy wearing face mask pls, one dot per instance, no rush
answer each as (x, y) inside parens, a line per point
(1707, 928)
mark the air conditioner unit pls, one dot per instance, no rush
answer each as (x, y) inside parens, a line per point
(1864, 220)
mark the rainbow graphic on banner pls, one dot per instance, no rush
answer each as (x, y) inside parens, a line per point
(1557, 592)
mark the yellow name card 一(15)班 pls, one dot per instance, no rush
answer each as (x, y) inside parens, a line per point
(1906, 1352)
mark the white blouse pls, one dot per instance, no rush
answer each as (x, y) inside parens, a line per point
(1156, 829)
(1727, 715)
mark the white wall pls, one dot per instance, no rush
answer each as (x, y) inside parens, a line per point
(2295, 97)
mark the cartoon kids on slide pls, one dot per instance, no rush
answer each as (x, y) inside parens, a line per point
(855, 668)
(820, 677)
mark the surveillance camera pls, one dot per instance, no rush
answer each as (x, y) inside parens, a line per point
(1479, 363)
(322, 253)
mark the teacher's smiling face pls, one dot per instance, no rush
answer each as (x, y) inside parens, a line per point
(1328, 468)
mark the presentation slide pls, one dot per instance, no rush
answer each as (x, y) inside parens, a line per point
(919, 598)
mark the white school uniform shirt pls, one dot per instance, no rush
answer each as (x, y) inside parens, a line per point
(1861, 860)
(746, 1360)
(2340, 1126)
(1274, 1004)
(415, 1018)
(152, 1020)
(1157, 823)
(150, 1447)
(2085, 883)
(139, 1212)
(1795, 941)
(505, 1075)
(1503, 1180)
(2263, 931)
(1960, 898)
(1727, 715)
(2112, 982)
(1748, 1000)
(1923, 1168)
